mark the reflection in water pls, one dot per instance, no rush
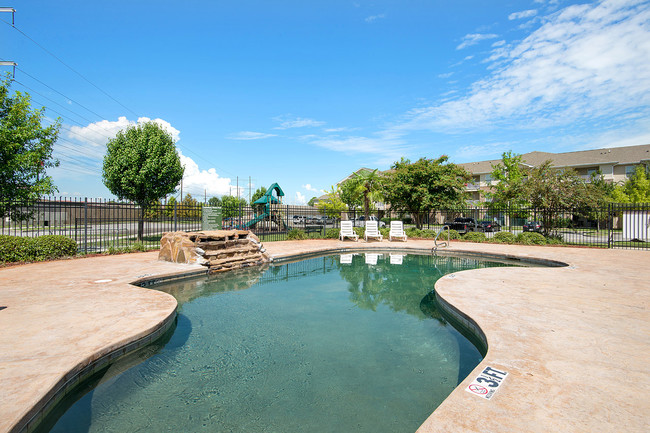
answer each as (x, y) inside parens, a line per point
(324, 344)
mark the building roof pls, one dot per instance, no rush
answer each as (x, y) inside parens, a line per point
(613, 155)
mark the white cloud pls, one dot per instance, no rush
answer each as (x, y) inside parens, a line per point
(249, 135)
(585, 62)
(198, 181)
(523, 14)
(474, 38)
(308, 187)
(298, 122)
(387, 147)
(300, 199)
(446, 75)
(373, 18)
(97, 134)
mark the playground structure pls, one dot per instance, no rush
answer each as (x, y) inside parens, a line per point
(270, 213)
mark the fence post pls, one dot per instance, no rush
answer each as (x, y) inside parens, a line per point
(86, 225)
(175, 218)
(610, 225)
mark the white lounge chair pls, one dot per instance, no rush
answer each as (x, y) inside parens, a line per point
(372, 231)
(347, 231)
(396, 231)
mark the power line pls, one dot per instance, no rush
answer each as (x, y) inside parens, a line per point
(69, 67)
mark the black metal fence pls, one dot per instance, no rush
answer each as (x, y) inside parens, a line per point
(99, 225)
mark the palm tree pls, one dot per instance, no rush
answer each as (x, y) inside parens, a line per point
(369, 186)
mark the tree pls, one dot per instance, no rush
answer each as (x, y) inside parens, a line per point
(312, 201)
(508, 178)
(214, 202)
(25, 153)
(141, 164)
(348, 193)
(189, 208)
(258, 194)
(368, 185)
(636, 189)
(231, 205)
(424, 185)
(332, 205)
(556, 191)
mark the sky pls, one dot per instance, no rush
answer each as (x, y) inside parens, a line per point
(303, 93)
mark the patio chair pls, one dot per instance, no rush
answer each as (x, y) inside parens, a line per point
(347, 231)
(396, 231)
(372, 231)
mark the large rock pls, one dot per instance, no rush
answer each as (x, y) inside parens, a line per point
(219, 250)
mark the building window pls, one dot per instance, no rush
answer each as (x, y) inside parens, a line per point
(629, 170)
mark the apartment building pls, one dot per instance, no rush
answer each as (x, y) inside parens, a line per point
(615, 163)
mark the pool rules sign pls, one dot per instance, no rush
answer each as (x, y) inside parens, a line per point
(487, 382)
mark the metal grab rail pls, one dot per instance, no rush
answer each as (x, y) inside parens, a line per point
(435, 241)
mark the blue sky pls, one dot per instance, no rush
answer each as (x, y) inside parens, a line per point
(302, 93)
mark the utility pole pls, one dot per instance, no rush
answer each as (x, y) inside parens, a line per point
(8, 63)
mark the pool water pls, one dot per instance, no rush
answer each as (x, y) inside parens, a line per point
(328, 344)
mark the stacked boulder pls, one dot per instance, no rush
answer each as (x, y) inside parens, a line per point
(219, 250)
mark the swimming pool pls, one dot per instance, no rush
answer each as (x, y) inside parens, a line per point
(350, 342)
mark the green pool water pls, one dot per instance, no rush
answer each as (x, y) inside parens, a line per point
(327, 344)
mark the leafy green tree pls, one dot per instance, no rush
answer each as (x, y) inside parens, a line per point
(556, 191)
(25, 153)
(258, 194)
(141, 164)
(214, 202)
(349, 194)
(636, 189)
(369, 187)
(189, 208)
(424, 185)
(312, 201)
(508, 178)
(332, 205)
(231, 205)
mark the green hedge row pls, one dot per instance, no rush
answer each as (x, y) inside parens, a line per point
(23, 249)
(504, 237)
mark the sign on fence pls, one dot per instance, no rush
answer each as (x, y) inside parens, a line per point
(212, 218)
(636, 225)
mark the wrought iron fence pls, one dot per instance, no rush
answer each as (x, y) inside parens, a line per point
(98, 225)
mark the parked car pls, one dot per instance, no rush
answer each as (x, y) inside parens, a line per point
(533, 226)
(463, 225)
(326, 220)
(488, 226)
(361, 221)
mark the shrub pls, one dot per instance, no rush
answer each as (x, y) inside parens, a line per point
(554, 239)
(385, 231)
(453, 234)
(475, 237)
(531, 238)
(22, 249)
(361, 231)
(14, 248)
(296, 235)
(413, 232)
(504, 238)
(332, 233)
(53, 246)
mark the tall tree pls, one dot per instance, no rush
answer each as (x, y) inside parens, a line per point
(312, 201)
(141, 164)
(348, 193)
(231, 205)
(25, 152)
(214, 201)
(508, 178)
(426, 184)
(368, 185)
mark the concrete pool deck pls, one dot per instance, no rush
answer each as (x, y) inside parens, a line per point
(575, 340)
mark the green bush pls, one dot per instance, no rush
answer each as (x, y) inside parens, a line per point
(22, 249)
(360, 231)
(475, 237)
(385, 231)
(53, 246)
(504, 238)
(453, 234)
(296, 235)
(531, 238)
(413, 232)
(554, 239)
(332, 233)
(15, 249)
